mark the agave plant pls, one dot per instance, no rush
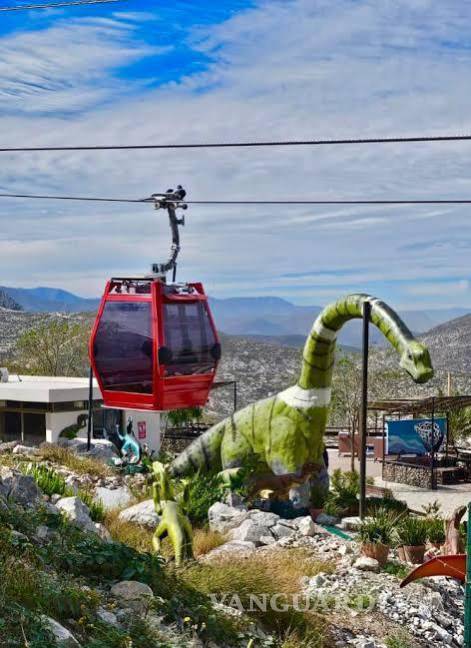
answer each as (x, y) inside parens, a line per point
(380, 527)
(412, 531)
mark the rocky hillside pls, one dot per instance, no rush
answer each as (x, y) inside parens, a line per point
(450, 344)
(7, 301)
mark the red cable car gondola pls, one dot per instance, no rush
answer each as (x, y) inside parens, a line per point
(154, 345)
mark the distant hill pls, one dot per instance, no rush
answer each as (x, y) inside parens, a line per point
(7, 301)
(450, 344)
(270, 318)
(49, 300)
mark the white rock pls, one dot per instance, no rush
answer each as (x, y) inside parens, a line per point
(143, 514)
(345, 549)
(239, 548)
(350, 523)
(263, 518)
(64, 638)
(306, 526)
(328, 520)
(281, 531)
(113, 498)
(223, 518)
(249, 531)
(22, 449)
(364, 563)
(103, 532)
(133, 594)
(267, 540)
(77, 513)
(107, 617)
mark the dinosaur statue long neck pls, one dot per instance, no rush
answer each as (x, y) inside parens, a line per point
(319, 350)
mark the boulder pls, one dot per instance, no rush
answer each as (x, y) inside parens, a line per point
(263, 518)
(64, 638)
(223, 518)
(143, 514)
(282, 531)
(249, 531)
(103, 532)
(107, 617)
(8, 446)
(364, 563)
(113, 498)
(134, 595)
(328, 520)
(23, 450)
(77, 513)
(240, 548)
(306, 526)
(18, 487)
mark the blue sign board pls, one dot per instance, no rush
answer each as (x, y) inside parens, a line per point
(414, 436)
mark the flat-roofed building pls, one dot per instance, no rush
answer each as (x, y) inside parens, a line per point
(34, 409)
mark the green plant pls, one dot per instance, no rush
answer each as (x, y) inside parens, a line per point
(97, 510)
(378, 528)
(412, 531)
(331, 507)
(386, 503)
(319, 496)
(202, 491)
(344, 489)
(400, 639)
(432, 509)
(47, 479)
(396, 569)
(435, 530)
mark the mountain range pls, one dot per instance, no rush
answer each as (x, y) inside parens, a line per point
(264, 318)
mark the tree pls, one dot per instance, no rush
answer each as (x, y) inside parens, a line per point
(383, 382)
(55, 348)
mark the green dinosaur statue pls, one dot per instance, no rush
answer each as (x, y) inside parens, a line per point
(285, 432)
(173, 521)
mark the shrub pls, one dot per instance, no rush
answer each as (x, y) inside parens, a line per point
(97, 510)
(47, 479)
(412, 531)
(379, 528)
(435, 530)
(387, 503)
(203, 491)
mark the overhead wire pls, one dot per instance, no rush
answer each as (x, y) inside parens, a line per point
(438, 201)
(54, 5)
(260, 144)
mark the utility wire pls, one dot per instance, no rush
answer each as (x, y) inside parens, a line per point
(464, 201)
(209, 145)
(53, 5)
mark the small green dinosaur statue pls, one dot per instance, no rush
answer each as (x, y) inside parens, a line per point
(173, 521)
(285, 433)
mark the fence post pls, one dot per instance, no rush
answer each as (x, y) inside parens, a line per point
(467, 599)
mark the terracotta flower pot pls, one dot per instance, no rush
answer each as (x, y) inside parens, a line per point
(376, 550)
(315, 512)
(414, 555)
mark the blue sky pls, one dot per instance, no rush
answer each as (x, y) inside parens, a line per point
(145, 71)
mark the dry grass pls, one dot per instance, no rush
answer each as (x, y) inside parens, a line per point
(277, 572)
(80, 465)
(206, 540)
(135, 536)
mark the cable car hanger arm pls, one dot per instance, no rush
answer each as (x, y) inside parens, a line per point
(171, 201)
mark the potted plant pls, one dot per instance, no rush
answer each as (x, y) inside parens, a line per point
(376, 533)
(436, 532)
(318, 498)
(412, 535)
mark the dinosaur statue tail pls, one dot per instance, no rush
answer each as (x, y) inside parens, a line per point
(202, 454)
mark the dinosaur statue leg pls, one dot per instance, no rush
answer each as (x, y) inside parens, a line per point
(160, 533)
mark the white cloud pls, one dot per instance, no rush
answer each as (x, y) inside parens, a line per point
(281, 70)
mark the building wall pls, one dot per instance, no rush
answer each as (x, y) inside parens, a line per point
(57, 421)
(146, 426)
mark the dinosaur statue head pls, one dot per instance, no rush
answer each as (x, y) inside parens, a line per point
(415, 359)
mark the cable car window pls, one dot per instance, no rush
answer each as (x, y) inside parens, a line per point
(190, 344)
(123, 347)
